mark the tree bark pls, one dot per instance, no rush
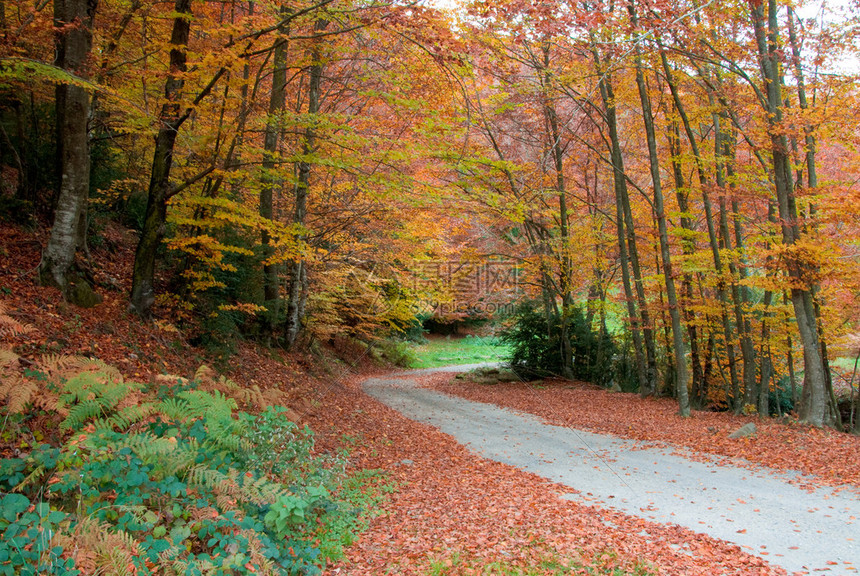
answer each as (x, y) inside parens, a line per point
(646, 383)
(298, 272)
(563, 251)
(816, 406)
(170, 120)
(681, 378)
(73, 20)
(271, 183)
(688, 246)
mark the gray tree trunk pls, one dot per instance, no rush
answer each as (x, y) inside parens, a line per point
(679, 352)
(296, 293)
(73, 20)
(816, 406)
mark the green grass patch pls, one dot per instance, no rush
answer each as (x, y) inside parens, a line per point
(451, 351)
(843, 363)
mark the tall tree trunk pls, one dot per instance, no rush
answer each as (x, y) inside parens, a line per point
(816, 406)
(812, 183)
(681, 378)
(646, 383)
(688, 244)
(73, 20)
(170, 120)
(271, 182)
(564, 249)
(298, 273)
(704, 183)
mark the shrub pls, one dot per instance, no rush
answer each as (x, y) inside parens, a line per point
(536, 345)
(173, 480)
(397, 352)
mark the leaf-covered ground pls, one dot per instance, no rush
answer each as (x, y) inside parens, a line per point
(450, 507)
(453, 508)
(823, 456)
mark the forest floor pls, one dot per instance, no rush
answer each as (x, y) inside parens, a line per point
(792, 526)
(452, 512)
(455, 512)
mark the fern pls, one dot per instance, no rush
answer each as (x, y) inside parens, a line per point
(142, 470)
(16, 391)
(208, 382)
(9, 327)
(176, 409)
(259, 493)
(125, 418)
(32, 478)
(109, 550)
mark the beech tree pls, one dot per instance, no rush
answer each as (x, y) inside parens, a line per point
(73, 20)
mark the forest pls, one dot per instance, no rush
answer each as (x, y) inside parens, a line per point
(660, 197)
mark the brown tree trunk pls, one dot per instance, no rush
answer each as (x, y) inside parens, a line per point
(563, 250)
(170, 119)
(296, 293)
(689, 248)
(646, 383)
(271, 183)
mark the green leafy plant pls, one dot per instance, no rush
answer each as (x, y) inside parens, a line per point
(535, 345)
(171, 479)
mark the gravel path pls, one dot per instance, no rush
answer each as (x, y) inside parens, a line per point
(799, 530)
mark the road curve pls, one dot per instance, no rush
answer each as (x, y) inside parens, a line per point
(802, 531)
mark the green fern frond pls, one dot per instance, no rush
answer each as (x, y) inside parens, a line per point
(146, 446)
(80, 413)
(125, 418)
(176, 409)
(228, 485)
(176, 463)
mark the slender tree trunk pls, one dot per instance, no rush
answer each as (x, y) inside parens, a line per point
(298, 273)
(681, 378)
(564, 257)
(271, 183)
(816, 405)
(73, 20)
(705, 184)
(646, 383)
(170, 120)
(812, 183)
(688, 244)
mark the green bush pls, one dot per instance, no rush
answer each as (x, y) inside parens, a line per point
(779, 399)
(397, 352)
(536, 346)
(174, 481)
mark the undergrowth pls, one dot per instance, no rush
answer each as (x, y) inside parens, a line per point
(170, 478)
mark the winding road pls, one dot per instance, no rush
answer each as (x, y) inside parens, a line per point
(803, 531)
